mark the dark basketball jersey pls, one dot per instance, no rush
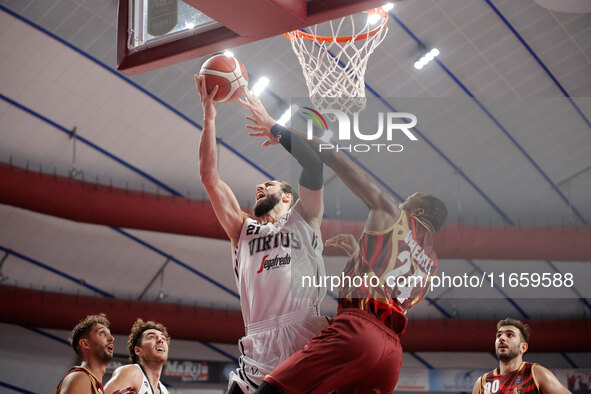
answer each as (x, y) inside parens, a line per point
(97, 387)
(519, 381)
(398, 264)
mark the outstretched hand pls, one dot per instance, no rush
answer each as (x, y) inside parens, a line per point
(206, 98)
(261, 119)
(347, 242)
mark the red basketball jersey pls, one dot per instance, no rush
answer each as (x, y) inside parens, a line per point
(398, 264)
(96, 385)
(520, 381)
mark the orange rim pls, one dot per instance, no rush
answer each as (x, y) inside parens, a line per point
(296, 34)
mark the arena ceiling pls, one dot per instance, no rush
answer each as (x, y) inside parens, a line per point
(514, 79)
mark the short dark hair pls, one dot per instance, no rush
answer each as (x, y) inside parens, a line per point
(523, 328)
(83, 328)
(435, 211)
(135, 337)
(287, 188)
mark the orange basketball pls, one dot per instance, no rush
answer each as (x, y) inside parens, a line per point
(228, 73)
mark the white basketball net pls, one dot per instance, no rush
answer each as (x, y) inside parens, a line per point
(334, 65)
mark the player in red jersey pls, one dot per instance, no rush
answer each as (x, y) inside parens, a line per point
(360, 349)
(93, 343)
(515, 375)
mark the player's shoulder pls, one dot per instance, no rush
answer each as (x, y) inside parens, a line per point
(546, 380)
(131, 371)
(478, 385)
(125, 376)
(482, 380)
(76, 381)
(298, 215)
(540, 371)
(129, 375)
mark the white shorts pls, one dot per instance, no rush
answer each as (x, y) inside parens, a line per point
(268, 343)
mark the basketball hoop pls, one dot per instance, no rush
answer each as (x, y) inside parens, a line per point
(334, 64)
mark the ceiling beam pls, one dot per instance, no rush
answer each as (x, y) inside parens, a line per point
(99, 204)
(44, 309)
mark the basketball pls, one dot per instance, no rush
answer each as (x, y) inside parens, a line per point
(228, 73)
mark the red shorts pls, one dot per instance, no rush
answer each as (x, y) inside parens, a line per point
(355, 353)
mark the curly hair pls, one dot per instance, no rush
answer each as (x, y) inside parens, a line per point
(135, 337)
(523, 328)
(83, 328)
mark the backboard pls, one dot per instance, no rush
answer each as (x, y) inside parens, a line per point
(153, 34)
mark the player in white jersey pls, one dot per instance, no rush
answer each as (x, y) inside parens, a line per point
(148, 352)
(270, 255)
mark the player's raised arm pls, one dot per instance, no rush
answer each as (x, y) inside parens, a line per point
(549, 383)
(311, 183)
(366, 188)
(223, 200)
(372, 194)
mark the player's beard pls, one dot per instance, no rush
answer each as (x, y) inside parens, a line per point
(506, 357)
(102, 354)
(265, 205)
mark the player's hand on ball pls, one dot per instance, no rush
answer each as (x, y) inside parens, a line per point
(347, 242)
(206, 99)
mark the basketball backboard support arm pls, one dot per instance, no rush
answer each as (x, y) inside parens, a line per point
(239, 22)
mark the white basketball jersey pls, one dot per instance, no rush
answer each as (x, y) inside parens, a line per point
(146, 388)
(267, 257)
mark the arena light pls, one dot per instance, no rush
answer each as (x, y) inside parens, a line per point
(259, 86)
(229, 53)
(189, 26)
(388, 6)
(372, 19)
(287, 115)
(426, 58)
